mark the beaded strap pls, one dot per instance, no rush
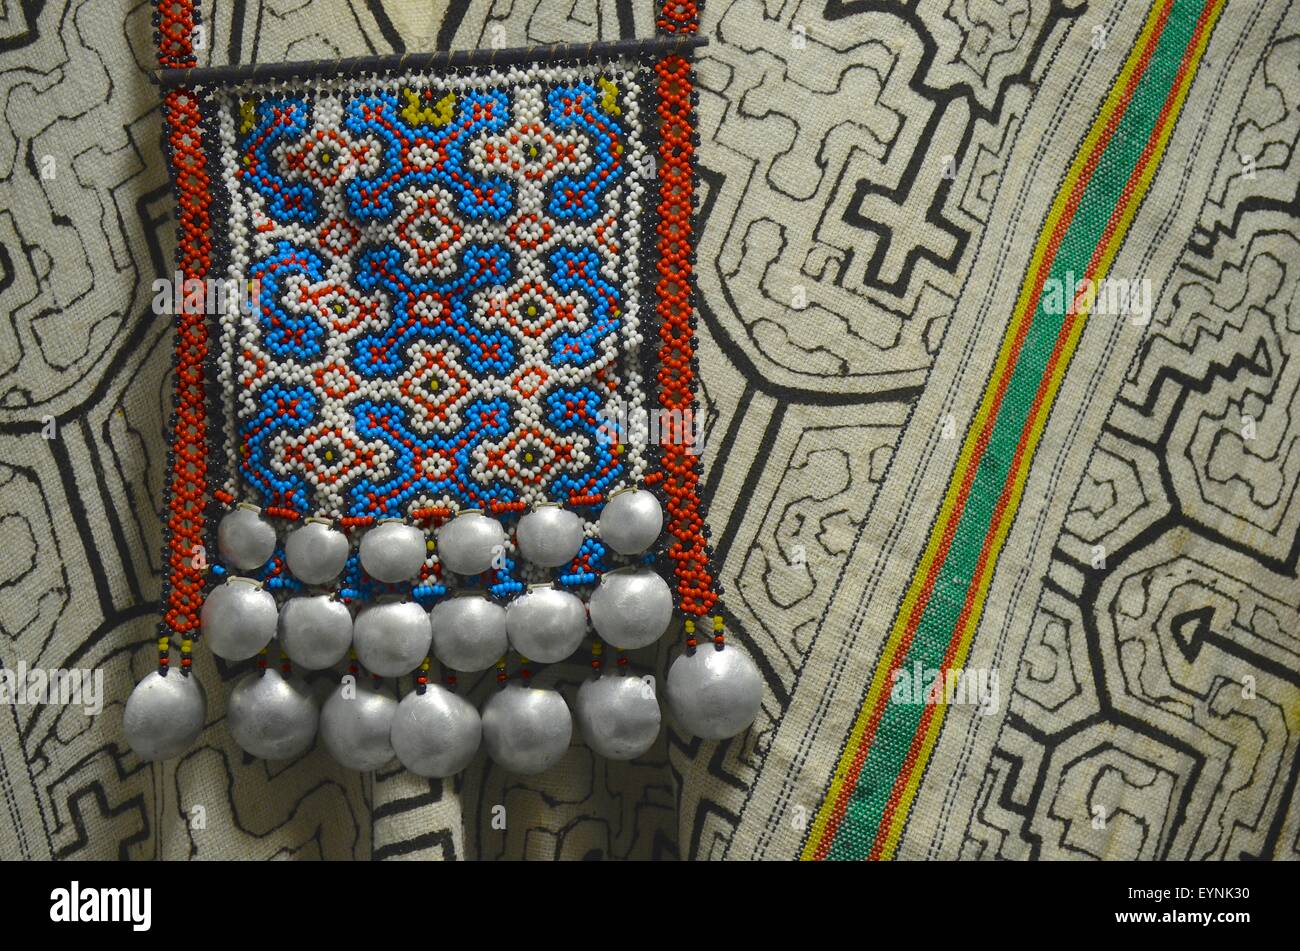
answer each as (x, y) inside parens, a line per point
(675, 305)
(186, 490)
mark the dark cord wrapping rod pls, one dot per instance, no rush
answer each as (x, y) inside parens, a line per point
(439, 59)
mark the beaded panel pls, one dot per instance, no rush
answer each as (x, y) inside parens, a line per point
(445, 281)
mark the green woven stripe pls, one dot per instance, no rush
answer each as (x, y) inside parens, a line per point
(900, 722)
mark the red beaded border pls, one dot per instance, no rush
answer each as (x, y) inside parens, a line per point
(679, 16)
(175, 21)
(674, 293)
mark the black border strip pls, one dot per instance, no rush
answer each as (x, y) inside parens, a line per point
(437, 59)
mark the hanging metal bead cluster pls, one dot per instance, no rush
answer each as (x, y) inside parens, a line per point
(434, 731)
(407, 454)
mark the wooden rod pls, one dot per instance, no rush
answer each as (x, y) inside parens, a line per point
(683, 44)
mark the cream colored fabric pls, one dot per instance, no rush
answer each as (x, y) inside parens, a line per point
(872, 184)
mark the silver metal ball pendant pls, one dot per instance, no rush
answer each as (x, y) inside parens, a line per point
(468, 543)
(436, 733)
(315, 631)
(164, 715)
(272, 716)
(714, 694)
(618, 715)
(469, 632)
(549, 536)
(546, 624)
(238, 619)
(526, 729)
(393, 552)
(356, 726)
(245, 540)
(315, 552)
(391, 638)
(631, 521)
(631, 607)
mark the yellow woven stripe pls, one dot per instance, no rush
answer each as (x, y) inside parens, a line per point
(966, 633)
(1026, 302)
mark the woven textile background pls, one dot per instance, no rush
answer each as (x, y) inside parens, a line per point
(875, 178)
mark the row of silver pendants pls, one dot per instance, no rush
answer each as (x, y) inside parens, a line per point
(712, 693)
(469, 544)
(628, 608)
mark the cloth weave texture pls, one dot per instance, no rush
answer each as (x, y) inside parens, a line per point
(874, 185)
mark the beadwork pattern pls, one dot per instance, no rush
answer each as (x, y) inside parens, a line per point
(445, 307)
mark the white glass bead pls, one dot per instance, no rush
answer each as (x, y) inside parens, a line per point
(393, 552)
(315, 631)
(546, 624)
(272, 716)
(714, 694)
(526, 729)
(238, 619)
(468, 543)
(356, 726)
(631, 521)
(631, 607)
(392, 638)
(316, 553)
(549, 536)
(469, 632)
(436, 733)
(245, 540)
(164, 715)
(618, 715)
